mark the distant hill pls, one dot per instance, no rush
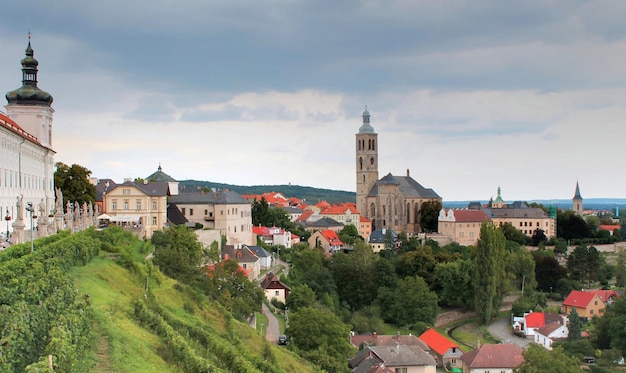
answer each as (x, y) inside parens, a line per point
(309, 194)
(589, 203)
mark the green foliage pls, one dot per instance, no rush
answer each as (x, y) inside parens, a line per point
(513, 234)
(429, 215)
(575, 325)
(538, 360)
(177, 252)
(349, 235)
(420, 262)
(266, 215)
(571, 226)
(585, 263)
(456, 283)
(548, 272)
(74, 183)
(367, 320)
(408, 303)
(520, 265)
(538, 236)
(300, 296)
(352, 273)
(490, 276)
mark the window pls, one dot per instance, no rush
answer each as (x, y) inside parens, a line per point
(206, 212)
(182, 210)
(277, 293)
(591, 312)
(154, 220)
(595, 303)
(126, 192)
(472, 236)
(401, 370)
(138, 204)
(190, 212)
(125, 204)
(154, 205)
(114, 204)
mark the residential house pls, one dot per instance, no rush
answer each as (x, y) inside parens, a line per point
(141, 207)
(272, 198)
(381, 238)
(326, 239)
(500, 358)
(463, 226)
(293, 212)
(447, 353)
(587, 304)
(274, 288)
(607, 296)
(365, 228)
(609, 228)
(246, 258)
(273, 236)
(222, 210)
(547, 334)
(394, 359)
(345, 213)
(531, 321)
(265, 258)
(323, 224)
(361, 340)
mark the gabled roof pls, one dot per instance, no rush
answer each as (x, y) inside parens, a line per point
(580, 299)
(174, 215)
(535, 320)
(363, 219)
(155, 189)
(504, 355)
(340, 209)
(240, 253)
(324, 222)
(547, 329)
(388, 340)
(331, 237)
(408, 187)
(219, 197)
(437, 342)
(9, 124)
(605, 295)
(391, 356)
(271, 281)
(260, 251)
(380, 235)
(305, 215)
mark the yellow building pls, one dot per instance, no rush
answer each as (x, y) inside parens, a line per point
(462, 226)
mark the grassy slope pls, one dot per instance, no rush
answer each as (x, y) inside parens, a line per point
(122, 345)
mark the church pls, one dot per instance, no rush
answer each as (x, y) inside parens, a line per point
(392, 202)
(27, 159)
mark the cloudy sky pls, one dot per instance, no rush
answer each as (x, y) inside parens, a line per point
(468, 95)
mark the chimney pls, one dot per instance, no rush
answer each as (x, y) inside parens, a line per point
(408, 173)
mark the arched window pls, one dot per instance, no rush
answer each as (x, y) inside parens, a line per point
(373, 209)
(373, 145)
(360, 163)
(408, 212)
(384, 223)
(384, 211)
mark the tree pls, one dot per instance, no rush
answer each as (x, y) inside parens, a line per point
(321, 337)
(537, 360)
(584, 263)
(300, 296)
(353, 276)
(538, 236)
(429, 215)
(548, 272)
(177, 252)
(74, 183)
(570, 225)
(575, 325)
(455, 281)
(420, 262)
(349, 235)
(490, 276)
(520, 265)
(408, 303)
(266, 215)
(513, 234)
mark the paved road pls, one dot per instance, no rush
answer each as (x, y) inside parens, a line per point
(273, 329)
(501, 329)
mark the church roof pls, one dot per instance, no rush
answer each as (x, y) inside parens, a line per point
(159, 175)
(366, 127)
(408, 187)
(577, 192)
(29, 93)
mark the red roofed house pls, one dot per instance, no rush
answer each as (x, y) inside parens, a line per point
(587, 304)
(607, 296)
(500, 358)
(274, 288)
(463, 226)
(246, 258)
(326, 239)
(445, 351)
(532, 321)
(609, 228)
(345, 213)
(547, 334)
(365, 228)
(273, 235)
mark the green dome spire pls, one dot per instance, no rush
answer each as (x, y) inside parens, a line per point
(29, 93)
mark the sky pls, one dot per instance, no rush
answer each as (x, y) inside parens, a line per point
(529, 96)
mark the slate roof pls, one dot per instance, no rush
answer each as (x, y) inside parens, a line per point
(437, 342)
(324, 222)
(243, 254)
(271, 281)
(259, 251)
(174, 215)
(379, 237)
(292, 210)
(157, 188)
(469, 216)
(372, 357)
(408, 187)
(549, 328)
(516, 213)
(489, 356)
(101, 186)
(159, 175)
(388, 340)
(219, 197)
(577, 298)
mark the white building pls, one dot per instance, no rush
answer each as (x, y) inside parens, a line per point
(27, 157)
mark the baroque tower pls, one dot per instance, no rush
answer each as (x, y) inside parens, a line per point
(577, 201)
(366, 162)
(30, 106)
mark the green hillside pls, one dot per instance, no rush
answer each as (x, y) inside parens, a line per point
(89, 302)
(310, 194)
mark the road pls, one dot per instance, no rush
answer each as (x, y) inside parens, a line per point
(501, 329)
(273, 329)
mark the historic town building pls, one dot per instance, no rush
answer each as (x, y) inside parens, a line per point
(27, 159)
(392, 202)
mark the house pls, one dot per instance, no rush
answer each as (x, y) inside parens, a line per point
(293, 212)
(274, 288)
(396, 358)
(501, 358)
(273, 236)
(345, 213)
(323, 224)
(326, 239)
(607, 296)
(362, 340)
(547, 334)
(222, 210)
(587, 304)
(381, 238)
(246, 258)
(265, 258)
(365, 228)
(531, 321)
(462, 226)
(446, 352)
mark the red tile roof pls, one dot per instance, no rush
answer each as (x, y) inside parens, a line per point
(505, 355)
(331, 237)
(470, 216)
(8, 123)
(578, 298)
(605, 295)
(339, 209)
(322, 205)
(363, 219)
(437, 342)
(305, 215)
(535, 320)
(610, 228)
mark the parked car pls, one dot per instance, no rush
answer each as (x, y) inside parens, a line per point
(282, 340)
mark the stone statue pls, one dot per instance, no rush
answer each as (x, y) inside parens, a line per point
(42, 209)
(59, 201)
(20, 207)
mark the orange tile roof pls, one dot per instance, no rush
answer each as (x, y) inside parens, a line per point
(331, 237)
(305, 215)
(605, 295)
(363, 219)
(610, 228)
(578, 298)
(437, 342)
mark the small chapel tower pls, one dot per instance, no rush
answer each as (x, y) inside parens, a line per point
(366, 162)
(577, 201)
(30, 106)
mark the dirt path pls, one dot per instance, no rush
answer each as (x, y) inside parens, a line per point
(103, 359)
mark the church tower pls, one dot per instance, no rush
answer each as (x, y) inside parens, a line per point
(577, 201)
(30, 106)
(366, 163)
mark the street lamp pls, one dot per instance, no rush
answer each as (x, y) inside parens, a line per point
(7, 218)
(29, 208)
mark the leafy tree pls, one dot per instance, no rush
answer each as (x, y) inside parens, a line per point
(513, 234)
(310, 267)
(571, 226)
(321, 337)
(353, 276)
(366, 320)
(575, 325)
(455, 281)
(266, 215)
(537, 360)
(584, 263)
(349, 235)
(74, 183)
(408, 303)
(620, 270)
(420, 262)
(548, 271)
(429, 215)
(300, 296)
(177, 252)
(538, 236)
(560, 246)
(520, 265)
(612, 327)
(490, 275)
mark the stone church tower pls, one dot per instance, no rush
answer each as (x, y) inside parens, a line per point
(366, 162)
(577, 201)
(30, 106)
